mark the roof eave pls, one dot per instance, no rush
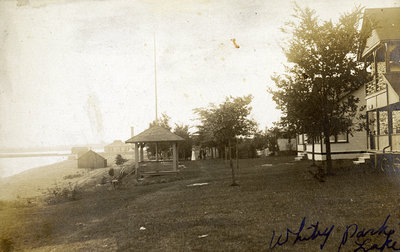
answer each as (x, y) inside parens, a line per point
(367, 52)
(370, 49)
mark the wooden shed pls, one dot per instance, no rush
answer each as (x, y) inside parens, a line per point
(91, 160)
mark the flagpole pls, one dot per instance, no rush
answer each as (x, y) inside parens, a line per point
(155, 86)
(155, 76)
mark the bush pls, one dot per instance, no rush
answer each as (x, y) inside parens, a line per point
(71, 176)
(59, 194)
(103, 180)
(119, 160)
(111, 172)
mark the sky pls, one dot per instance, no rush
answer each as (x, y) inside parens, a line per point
(82, 71)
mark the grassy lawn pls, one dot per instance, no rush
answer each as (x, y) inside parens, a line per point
(212, 217)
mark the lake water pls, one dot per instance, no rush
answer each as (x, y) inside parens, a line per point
(15, 165)
(10, 166)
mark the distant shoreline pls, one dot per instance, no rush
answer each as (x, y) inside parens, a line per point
(11, 155)
(41, 154)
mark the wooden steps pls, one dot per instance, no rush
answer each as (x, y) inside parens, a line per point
(362, 159)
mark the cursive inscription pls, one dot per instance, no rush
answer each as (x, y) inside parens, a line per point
(301, 236)
(355, 237)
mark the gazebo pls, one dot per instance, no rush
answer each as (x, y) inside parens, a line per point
(156, 134)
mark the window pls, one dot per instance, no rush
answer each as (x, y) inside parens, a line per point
(341, 138)
(300, 139)
(383, 123)
(396, 122)
(316, 140)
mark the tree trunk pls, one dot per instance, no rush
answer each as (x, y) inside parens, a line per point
(328, 152)
(226, 155)
(313, 152)
(231, 165)
(237, 155)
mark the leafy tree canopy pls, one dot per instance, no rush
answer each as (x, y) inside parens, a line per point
(315, 93)
(185, 148)
(222, 123)
(163, 122)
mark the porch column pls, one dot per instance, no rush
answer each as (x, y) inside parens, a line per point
(174, 158)
(136, 158)
(375, 70)
(141, 153)
(387, 55)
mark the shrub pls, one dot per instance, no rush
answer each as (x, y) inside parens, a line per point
(119, 160)
(111, 172)
(71, 176)
(59, 194)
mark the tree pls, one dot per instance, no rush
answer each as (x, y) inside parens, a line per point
(161, 147)
(272, 139)
(227, 121)
(163, 122)
(260, 140)
(185, 148)
(119, 160)
(315, 93)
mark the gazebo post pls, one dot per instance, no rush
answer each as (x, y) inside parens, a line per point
(174, 154)
(157, 151)
(141, 152)
(136, 159)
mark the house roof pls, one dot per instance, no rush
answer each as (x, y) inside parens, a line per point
(155, 134)
(116, 143)
(385, 24)
(91, 153)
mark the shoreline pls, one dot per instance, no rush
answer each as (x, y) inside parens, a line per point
(12, 155)
(37, 181)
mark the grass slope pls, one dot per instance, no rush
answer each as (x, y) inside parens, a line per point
(176, 216)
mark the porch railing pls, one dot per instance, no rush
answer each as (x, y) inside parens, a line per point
(375, 85)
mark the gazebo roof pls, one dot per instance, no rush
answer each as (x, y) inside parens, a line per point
(155, 134)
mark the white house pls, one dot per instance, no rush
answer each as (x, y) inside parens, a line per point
(343, 146)
(381, 51)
